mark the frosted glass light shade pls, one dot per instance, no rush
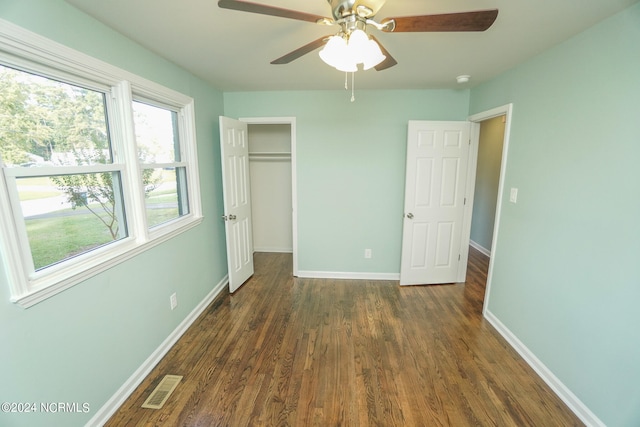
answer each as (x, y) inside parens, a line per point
(374, 55)
(336, 54)
(357, 45)
(346, 55)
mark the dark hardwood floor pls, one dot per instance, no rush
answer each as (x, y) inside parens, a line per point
(285, 351)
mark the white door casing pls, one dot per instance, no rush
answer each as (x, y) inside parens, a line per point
(435, 226)
(234, 146)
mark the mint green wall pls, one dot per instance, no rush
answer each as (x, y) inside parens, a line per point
(350, 168)
(566, 278)
(566, 274)
(83, 344)
(487, 179)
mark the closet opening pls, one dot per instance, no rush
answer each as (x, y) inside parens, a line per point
(272, 180)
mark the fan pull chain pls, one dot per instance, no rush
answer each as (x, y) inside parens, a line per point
(353, 85)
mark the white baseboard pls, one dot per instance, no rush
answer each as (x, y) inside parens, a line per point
(273, 249)
(348, 275)
(480, 248)
(112, 405)
(561, 390)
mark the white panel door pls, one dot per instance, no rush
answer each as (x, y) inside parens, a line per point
(234, 146)
(434, 209)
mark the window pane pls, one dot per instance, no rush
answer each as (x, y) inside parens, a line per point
(166, 195)
(156, 134)
(44, 122)
(67, 215)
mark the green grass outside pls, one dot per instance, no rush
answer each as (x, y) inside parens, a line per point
(38, 180)
(33, 195)
(162, 198)
(39, 183)
(59, 238)
(156, 217)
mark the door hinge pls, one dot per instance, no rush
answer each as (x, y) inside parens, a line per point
(458, 257)
(465, 201)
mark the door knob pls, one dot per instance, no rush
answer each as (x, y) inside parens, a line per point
(232, 217)
(410, 215)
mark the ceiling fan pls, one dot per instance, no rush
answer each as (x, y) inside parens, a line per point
(354, 15)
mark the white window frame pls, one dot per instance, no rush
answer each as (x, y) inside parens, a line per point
(30, 52)
(175, 164)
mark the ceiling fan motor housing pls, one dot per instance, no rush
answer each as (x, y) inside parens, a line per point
(351, 23)
(363, 9)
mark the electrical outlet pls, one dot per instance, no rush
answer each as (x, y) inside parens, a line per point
(173, 300)
(367, 253)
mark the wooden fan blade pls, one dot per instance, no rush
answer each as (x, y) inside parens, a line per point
(310, 47)
(464, 21)
(388, 62)
(262, 9)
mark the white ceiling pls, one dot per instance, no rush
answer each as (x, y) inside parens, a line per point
(232, 50)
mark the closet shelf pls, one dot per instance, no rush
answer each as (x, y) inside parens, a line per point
(269, 155)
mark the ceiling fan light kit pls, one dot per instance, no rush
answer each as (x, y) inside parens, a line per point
(352, 45)
(344, 52)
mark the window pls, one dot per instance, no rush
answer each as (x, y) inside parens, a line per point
(55, 145)
(163, 173)
(97, 165)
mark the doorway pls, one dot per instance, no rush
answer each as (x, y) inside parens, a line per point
(478, 119)
(272, 181)
(486, 184)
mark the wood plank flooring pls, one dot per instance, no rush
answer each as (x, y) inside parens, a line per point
(286, 351)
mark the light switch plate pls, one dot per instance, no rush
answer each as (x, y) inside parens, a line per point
(513, 196)
(173, 301)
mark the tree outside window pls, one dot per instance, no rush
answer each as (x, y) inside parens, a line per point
(56, 126)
